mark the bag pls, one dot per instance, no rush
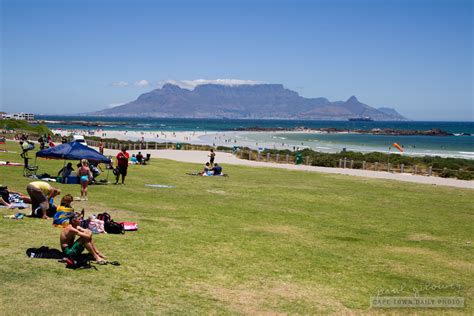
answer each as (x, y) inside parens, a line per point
(44, 253)
(110, 226)
(78, 263)
(129, 226)
(114, 228)
(96, 226)
(104, 217)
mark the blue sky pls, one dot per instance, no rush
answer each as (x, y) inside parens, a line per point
(77, 56)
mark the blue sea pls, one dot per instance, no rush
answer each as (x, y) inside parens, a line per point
(222, 132)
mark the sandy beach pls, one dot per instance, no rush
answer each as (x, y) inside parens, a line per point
(260, 140)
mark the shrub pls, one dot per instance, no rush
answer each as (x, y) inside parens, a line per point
(464, 175)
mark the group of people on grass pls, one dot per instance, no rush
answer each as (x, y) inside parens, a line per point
(211, 168)
(41, 197)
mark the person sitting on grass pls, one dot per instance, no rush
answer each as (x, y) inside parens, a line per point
(73, 247)
(216, 170)
(140, 159)
(207, 170)
(65, 172)
(64, 212)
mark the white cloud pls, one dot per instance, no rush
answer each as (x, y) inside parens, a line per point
(120, 84)
(142, 83)
(191, 84)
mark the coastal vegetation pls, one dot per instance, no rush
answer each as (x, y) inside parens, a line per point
(444, 167)
(21, 126)
(261, 240)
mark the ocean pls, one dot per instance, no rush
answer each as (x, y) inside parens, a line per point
(447, 146)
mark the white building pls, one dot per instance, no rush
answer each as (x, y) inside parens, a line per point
(18, 116)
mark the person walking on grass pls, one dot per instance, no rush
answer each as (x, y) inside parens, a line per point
(85, 175)
(73, 248)
(122, 164)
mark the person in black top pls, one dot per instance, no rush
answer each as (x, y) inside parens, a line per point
(217, 170)
(139, 157)
(212, 155)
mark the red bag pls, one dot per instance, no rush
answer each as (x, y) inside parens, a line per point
(129, 225)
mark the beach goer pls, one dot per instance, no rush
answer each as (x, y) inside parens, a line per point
(212, 156)
(85, 175)
(41, 193)
(73, 247)
(216, 170)
(65, 172)
(101, 147)
(140, 158)
(7, 197)
(96, 170)
(64, 211)
(122, 164)
(207, 170)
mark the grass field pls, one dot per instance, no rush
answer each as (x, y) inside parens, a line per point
(259, 241)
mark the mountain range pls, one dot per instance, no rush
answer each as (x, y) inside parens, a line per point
(256, 101)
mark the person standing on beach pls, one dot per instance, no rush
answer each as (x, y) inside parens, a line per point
(101, 147)
(122, 164)
(212, 156)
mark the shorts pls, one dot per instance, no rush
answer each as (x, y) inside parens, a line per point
(75, 250)
(123, 170)
(84, 179)
(38, 199)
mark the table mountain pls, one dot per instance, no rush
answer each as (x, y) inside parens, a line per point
(259, 101)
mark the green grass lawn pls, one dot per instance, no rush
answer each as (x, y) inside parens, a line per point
(261, 240)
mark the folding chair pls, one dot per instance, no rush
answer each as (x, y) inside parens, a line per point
(29, 171)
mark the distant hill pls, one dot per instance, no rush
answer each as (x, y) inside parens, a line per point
(259, 101)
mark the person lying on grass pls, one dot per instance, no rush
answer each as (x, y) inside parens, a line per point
(73, 248)
(8, 198)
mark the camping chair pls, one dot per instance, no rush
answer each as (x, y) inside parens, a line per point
(28, 170)
(146, 160)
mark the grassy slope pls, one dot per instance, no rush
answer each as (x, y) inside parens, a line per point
(261, 240)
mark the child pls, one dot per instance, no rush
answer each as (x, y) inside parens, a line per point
(64, 212)
(84, 176)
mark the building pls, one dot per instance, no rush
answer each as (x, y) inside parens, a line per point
(17, 116)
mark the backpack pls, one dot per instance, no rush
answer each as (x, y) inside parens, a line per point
(104, 217)
(114, 228)
(110, 226)
(78, 263)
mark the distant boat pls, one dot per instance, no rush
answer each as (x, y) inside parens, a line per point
(361, 119)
